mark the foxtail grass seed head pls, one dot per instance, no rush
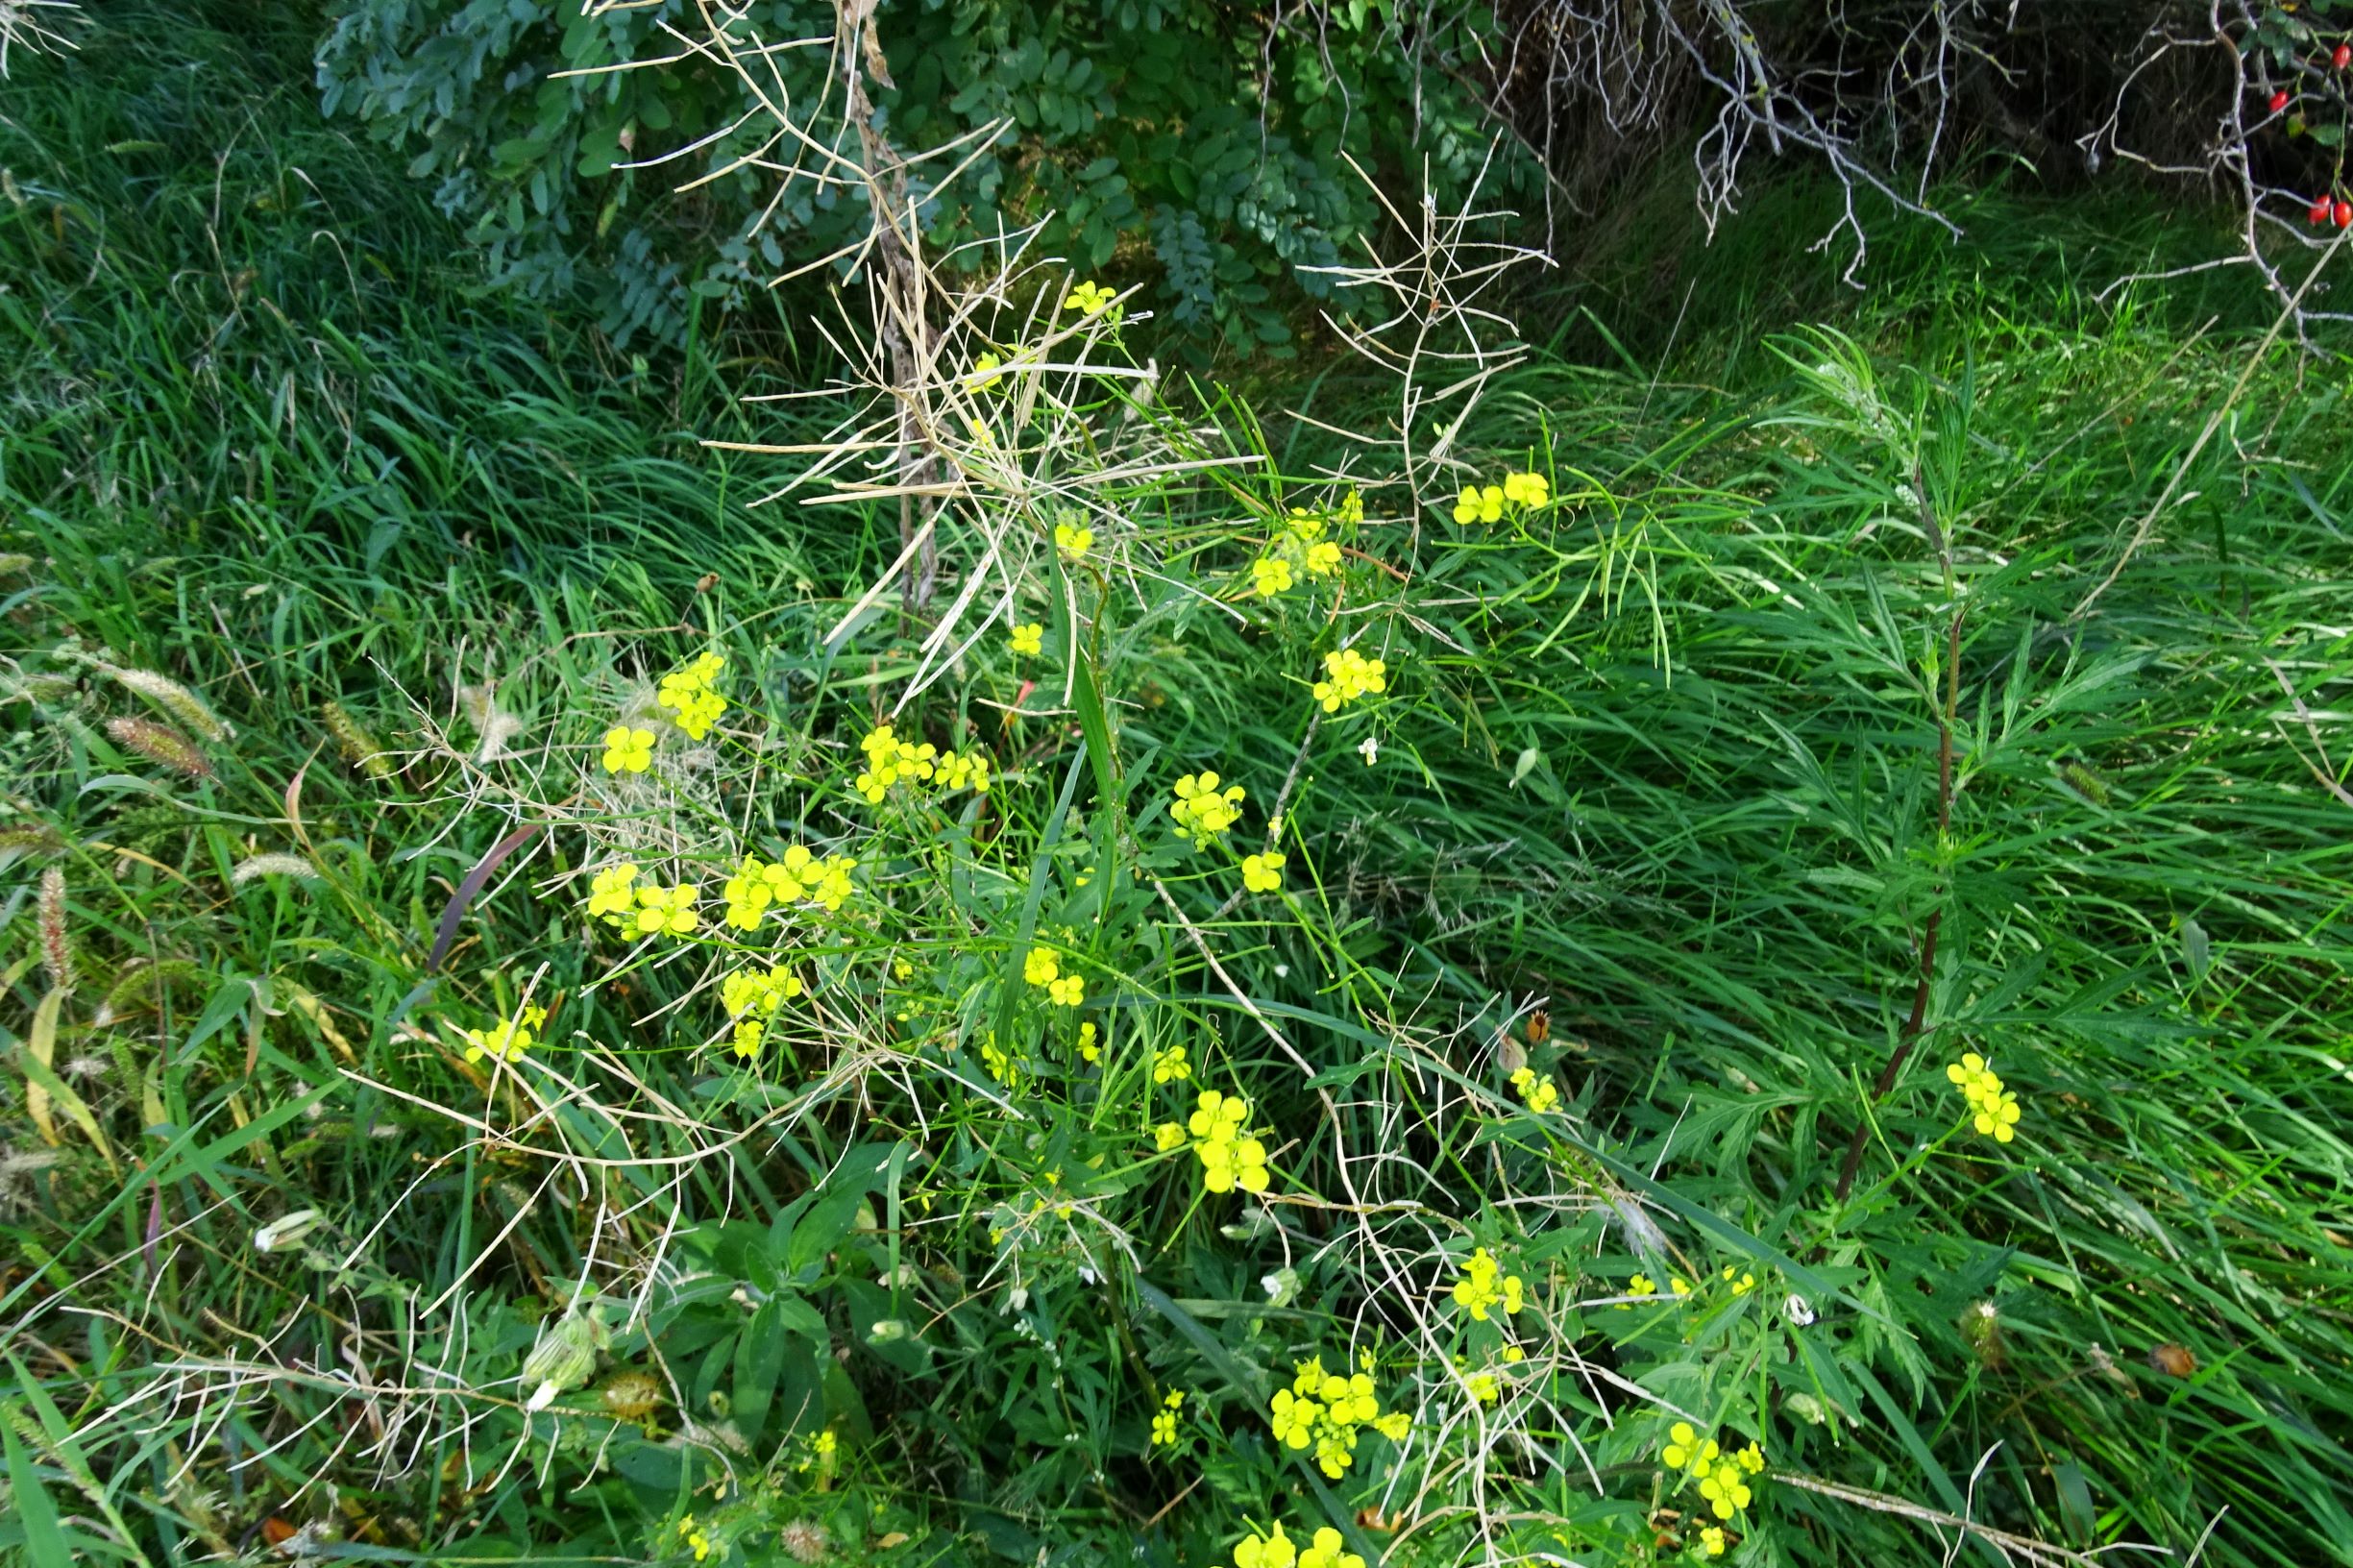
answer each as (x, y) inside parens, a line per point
(160, 743)
(57, 942)
(29, 839)
(256, 866)
(173, 699)
(354, 744)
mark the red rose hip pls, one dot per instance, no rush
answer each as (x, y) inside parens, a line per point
(2342, 56)
(2344, 214)
(2319, 210)
(2279, 101)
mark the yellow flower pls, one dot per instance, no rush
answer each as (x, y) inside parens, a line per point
(1350, 674)
(1170, 1066)
(1202, 809)
(1041, 967)
(1168, 1135)
(1271, 1551)
(1272, 574)
(1539, 1095)
(1641, 1284)
(1478, 505)
(695, 1540)
(1750, 1458)
(1164, 1429)
(1029, 638)
(1679, 1285)
(1263, 873)
(1089, 298)
(1683, 1448)
(1994, 1111)
(1295, 1418)
(688, 693)
(1068, 992)
(509, 1039)
(610, 896)
(1711, 1541)
(982, 437)
(1088, 1050)
(747, 1038)
(1726, 1492)
(1527, 489)
(1323, 559)
(671, 909)
(1328, 1551)
(983, 373)
(1073, 542)
(1483, 1284)
(627, 751)
(1483, 1388)
(748, 893)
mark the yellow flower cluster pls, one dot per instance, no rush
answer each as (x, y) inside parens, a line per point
(1073, 541)
(1484, 503)
(1263, 873)
(801, 876)
(1029, 638)
(1348, 675)
(1089, 298)
(691, 1534)
(1326, 1410)
(1483, 1284)
(890, 759)
(627, 751)
(1230, 1157)
(1202, 809)
(1993, 1109)
(1043, 969)
(1538, 1095)
(615, 898)
(751, 998)
(689, 693)
(509, 1038)
(1326, 1549)
(1164, 1419)
(1722, 1478)
(1300, 547)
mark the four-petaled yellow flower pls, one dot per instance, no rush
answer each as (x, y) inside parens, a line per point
(983, 373)
(1164, 1419)
(1263, 873)
(1711, 1541)
(1271, 575)
(1073, 541)
(1168, 1135)
(627, 751)
(1726, 1492)
(1089, 298)
(668, 909)
(1527, 489)
(1641, 1284)
(1539, 1095)
(1742, 1281)
(1323, 559)
(1686, 1450)
(611, 894)
(1478, 505)
(1271, 1551)
(1068, 992)
(1029, 638)
(1171, 1065)
(695, 1539)
(1089, 1049)
(1348, 675)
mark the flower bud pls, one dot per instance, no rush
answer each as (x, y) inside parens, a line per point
(286, 1229)
(563, 1359)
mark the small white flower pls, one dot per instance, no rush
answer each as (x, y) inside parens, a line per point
(1797, 1310)
(1369, 748)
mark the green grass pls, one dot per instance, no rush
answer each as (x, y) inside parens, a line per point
(1666, 761)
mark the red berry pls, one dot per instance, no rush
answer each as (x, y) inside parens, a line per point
(2344, 214)
(2319, 210)
(2279, 101)
(2342, 56)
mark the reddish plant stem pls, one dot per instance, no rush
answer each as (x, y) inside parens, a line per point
(1917, 1023)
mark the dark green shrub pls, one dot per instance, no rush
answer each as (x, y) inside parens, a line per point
(1200, 143)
